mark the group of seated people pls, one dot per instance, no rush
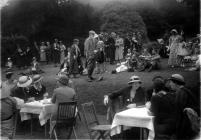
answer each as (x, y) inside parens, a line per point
(169, 100)
(27, 89)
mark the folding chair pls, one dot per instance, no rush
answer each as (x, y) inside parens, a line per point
(92, 123)
(66, 115)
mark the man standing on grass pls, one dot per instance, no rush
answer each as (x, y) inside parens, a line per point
(89, 51)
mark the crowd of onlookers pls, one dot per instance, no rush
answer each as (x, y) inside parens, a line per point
(128, 50)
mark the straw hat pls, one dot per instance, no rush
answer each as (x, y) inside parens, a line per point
(178, 78)
(24, 81)
(37, 78)
(174, 30)
(134, 79)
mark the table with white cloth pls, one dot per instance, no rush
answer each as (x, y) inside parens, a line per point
(41, 108)
(135, 117)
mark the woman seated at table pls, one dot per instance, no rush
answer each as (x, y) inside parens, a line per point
(37, 90)
(163, 108)
(22, 90)
(131, 96)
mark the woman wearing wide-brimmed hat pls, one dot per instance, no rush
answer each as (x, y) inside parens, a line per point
(129, 97)
(37, 90)
(22, 89)
(132, 95)
(173, 46)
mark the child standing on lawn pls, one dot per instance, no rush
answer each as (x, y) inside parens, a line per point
(100, 57)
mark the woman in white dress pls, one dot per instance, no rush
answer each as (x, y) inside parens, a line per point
(42, 52)
(119, 43)
(62, 51)
(173, 44)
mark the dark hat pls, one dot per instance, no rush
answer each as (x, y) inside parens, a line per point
(9, 73)
(177, 77)
(37, 78)
(63, 79)
(75, 40)
(34, 58)
(157, 77)
(134, 79)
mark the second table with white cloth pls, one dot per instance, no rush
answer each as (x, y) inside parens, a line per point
(135, 117)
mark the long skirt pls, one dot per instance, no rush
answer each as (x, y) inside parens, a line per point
(62, 56)
(43, 56)
(74, 69)
(119, 53)
(172, 61)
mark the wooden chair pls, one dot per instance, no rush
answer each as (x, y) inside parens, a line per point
(92, 123)
(66, 115)
(9, 130)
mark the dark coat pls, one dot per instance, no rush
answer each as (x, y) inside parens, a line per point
(139, 98)
(118, 100)
(184, 98)
(20, 93)
(38, 95)
(163, 108)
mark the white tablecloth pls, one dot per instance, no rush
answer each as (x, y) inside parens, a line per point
(135, 117)
(37, 107)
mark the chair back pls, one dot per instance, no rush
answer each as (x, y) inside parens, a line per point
(66, 112)
(89, 114)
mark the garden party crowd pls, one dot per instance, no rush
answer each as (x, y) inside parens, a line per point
(174, 105)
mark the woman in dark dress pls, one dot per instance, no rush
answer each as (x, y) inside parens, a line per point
(130, 97)
(74, 54)
(163, 108)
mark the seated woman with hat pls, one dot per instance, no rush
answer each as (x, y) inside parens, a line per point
(131, 96)
(37, 90)
(22, 89)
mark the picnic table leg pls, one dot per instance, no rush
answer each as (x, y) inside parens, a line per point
(31, 125)
(45, 130)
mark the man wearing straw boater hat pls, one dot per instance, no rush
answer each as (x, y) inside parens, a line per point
(37, 90)
(22, 89)
(184, 99)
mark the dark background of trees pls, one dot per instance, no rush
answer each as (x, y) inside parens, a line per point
(25, 21)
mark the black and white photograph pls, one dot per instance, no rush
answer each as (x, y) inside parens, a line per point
(100, 69)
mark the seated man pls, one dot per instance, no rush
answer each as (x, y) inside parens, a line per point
(8, 109)
(38, 91)
(22, 89)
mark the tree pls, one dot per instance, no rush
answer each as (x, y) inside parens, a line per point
(120, 18)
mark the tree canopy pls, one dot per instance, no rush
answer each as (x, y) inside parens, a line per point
(119, 18)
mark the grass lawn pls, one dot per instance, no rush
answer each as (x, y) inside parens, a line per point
(95, 91)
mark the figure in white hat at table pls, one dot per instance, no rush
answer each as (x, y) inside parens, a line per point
(22, 89)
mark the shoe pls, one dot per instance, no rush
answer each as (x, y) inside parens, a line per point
(92, 78)
(89, 80)
(100, 78)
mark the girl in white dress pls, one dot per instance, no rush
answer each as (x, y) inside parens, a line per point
(119, 43)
